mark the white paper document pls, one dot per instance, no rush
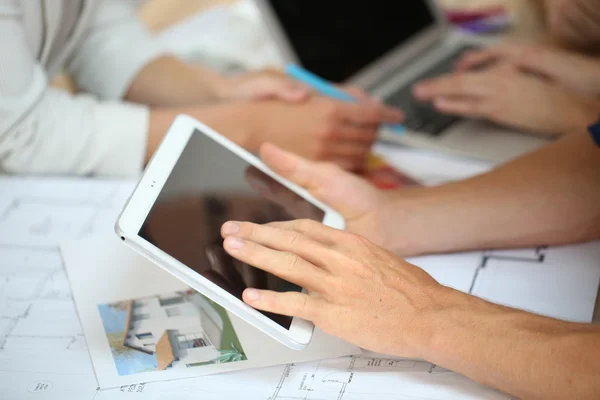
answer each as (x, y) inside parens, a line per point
(349, 378)
(558, 282)
(142, 324)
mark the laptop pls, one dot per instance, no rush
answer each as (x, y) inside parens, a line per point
(384, 47)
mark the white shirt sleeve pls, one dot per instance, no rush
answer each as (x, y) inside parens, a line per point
(47, 131)
(114, 49)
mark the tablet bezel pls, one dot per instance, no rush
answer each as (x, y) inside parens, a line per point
(146, 193)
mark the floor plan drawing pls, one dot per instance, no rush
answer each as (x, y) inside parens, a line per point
(368, 376)
(43, 353)
(357, 378)
(537, 255)
(42, 347)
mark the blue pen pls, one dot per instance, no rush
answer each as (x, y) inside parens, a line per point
(325, 88)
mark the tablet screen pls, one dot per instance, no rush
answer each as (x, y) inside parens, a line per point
(208, 187)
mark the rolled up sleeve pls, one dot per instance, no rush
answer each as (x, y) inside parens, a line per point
(115, 48)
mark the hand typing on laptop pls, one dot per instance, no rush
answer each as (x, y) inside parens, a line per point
(571, 70)
(507, 95)
(533, 88)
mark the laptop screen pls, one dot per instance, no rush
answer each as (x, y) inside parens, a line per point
(337, 39)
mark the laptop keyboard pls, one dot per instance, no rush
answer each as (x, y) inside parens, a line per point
(422, 117)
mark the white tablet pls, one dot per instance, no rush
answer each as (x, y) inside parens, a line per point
(196, 181)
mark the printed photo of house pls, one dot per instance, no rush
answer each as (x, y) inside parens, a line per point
(175, 330)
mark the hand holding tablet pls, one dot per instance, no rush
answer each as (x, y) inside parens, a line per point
(196, 181)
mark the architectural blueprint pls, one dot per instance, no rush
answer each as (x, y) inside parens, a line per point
(43, 353)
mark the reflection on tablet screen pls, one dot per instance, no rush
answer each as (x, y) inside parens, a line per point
(208, 187)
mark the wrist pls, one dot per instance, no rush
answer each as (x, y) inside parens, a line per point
(255, 119)
(443, 325)
(595, 81)
(592, 111)
(235, 120)
(434, 323)
(408, 215)
(216, 84)
(393, 214)
(223, 87)
(249, 124)
(585, 113)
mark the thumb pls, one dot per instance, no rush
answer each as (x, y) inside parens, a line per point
(300, 171)
(346, 193)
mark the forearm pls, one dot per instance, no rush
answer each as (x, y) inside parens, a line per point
(549, 197)
(522, 354)
(233, 120)
(168, 81)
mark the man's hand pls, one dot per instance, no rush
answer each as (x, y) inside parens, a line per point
(322, 128)
(366, 209)
(507, 96)
(571, 70)
(263, 85)
(373, 299)
(356, 290)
